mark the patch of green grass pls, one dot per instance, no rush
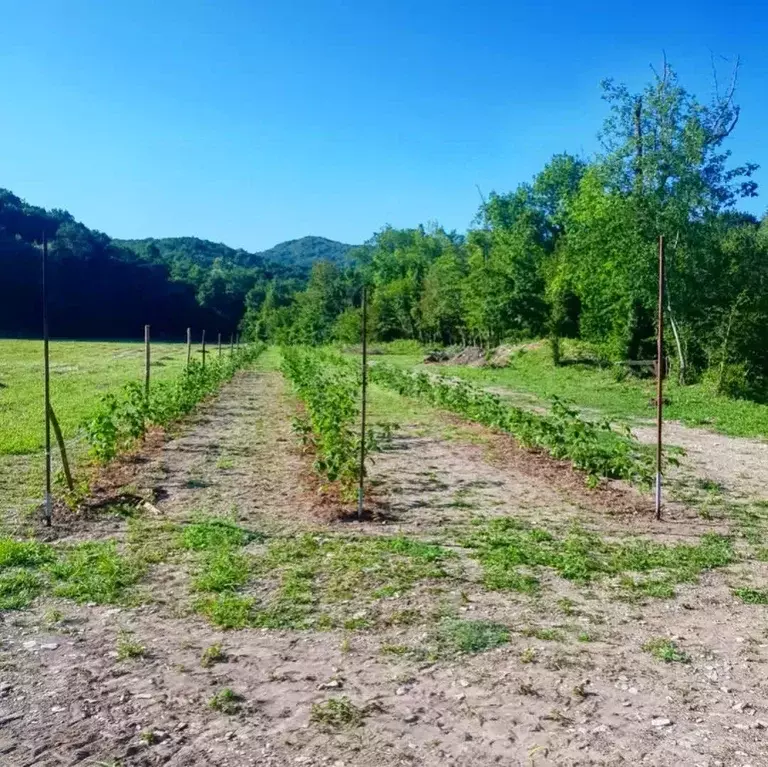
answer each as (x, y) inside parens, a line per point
(225, 463)
(18, 588)
(505, 545)
(229, 611)
(752, 596)
(16, 553)
(81, 371)
(584, 636)
(151, 541)
(315, 570)
(213, 654)
(226, 701)
(213, 533)
(528, 655)
(128, 647)
(222, 569)
(336, 714)
(456, 636)
(94, 572)
(666, 650)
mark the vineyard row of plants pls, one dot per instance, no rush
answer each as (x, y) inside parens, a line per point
(121, 419)
(594, 448)
(331, 396)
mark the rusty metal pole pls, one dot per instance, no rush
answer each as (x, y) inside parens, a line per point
(146, 362)
(361, 489)
(660, 378)
(48, 507)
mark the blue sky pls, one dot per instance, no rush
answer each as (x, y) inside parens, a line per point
(251, 123)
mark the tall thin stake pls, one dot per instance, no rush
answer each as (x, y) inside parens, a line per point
(219, 344)
(231, 344)
(189, 345)
(146, 362)
(48, 509)
(361, 489)
(203, 349)
(659, 377)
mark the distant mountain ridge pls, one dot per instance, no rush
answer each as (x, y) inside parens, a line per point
(297, 254)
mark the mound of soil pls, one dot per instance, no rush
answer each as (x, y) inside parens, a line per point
(469, 355)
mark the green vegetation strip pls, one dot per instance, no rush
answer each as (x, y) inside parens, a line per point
(594, 449)
(87, 572)
(512, 552)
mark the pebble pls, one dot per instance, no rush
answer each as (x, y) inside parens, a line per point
(461, 697)
(30, 645)
(463, 682)
(57, 709)
(661, 722)
(50, 646)
(401, 691)
(411, 718)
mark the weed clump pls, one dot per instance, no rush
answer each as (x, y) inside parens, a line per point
(337, 713)
(455, 636)
(666, 650)
(226, 701)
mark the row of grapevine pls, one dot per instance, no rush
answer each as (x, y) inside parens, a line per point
(331, 395)
(592, 448)
(121, 419)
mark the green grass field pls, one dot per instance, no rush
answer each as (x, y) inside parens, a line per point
(532, 373)
(81, 372)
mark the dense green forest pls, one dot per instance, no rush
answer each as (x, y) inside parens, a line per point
(107, 288)
(573, 253)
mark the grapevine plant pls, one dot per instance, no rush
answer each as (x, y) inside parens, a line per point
(593, 448)
(120, 419)
(330, 388)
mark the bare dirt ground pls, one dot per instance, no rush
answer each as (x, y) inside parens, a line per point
(572, 686)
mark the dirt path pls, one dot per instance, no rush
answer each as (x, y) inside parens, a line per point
(572, 686)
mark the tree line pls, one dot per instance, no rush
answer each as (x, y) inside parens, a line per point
(573, 254)
(105, 288)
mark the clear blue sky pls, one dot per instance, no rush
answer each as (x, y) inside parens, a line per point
(255, 122)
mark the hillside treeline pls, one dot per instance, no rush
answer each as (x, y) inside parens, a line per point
(103, 288)
(573, 254)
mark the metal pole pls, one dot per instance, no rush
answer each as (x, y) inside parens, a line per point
(231, 344)
(48, 510)
(203, 350)
(189, 345)
(146, 362)
(219, 344)
(660, 377)
(361, 489)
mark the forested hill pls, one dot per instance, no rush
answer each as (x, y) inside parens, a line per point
(297, 255)
(105, 288)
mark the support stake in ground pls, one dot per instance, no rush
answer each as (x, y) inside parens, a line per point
(48, 503)
(361, 488)
(660, 378)
(146, 362)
